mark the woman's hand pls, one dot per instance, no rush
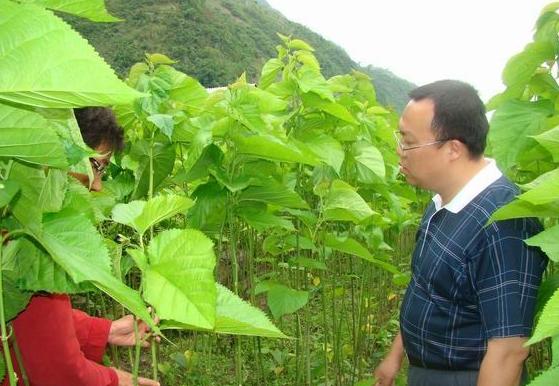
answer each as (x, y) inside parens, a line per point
(122, 332)
(125, 379)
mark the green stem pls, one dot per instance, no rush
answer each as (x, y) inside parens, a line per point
(137, 352)
(19, 360)
(5, 346)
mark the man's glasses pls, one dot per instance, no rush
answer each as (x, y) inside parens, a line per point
(98, 167)
(404, 147)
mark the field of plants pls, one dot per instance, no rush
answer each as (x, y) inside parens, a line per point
(265, 225)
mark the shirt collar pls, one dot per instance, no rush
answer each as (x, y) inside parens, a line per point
(485, 177)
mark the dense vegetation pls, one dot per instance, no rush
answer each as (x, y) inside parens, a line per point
(266, 225)
(215, 41)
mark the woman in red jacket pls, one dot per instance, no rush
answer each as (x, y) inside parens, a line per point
(61, 346)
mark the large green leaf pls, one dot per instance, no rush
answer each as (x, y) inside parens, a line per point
(310, 80)
(163, 155)
(353, 247)
(178, 280)
(545, 190)
(273, 148)
(547, 378)
(26, 206)
(521, 67)
(335, 109)
(209, 211)
(324, 147)
(29, 137)
(74, 244)
(511, 126)
(37, 271)
(53, 191)
(8, 190)
(283, 300)
(269, 73)
(90, 9)
(274, 193)
(262, 220)
(343, 203)
(45, 63)
(368, 159)
(520, 208)
(15, 300)
(548, 241)
(550, 141)
(141, 215)
(236, 316)
(547, 324)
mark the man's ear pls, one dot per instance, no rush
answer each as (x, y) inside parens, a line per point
(456, 149)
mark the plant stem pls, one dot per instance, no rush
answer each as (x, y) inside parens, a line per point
(5, 346)
(137, 352)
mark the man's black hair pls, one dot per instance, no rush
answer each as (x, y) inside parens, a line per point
(98, 126)
(459, 113)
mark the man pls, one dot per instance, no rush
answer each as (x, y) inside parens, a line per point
(469, 307)
(61, 346)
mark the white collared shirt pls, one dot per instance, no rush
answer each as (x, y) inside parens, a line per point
(485, 177)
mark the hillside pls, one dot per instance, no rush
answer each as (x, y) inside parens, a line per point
(217, 40)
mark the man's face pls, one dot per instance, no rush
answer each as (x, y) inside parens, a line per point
(98, 165)
(424, 161)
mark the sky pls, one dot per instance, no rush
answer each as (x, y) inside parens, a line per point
(425, 40)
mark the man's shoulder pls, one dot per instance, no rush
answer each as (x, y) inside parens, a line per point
(497, 194)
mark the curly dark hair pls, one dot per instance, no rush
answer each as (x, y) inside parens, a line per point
(98, 126)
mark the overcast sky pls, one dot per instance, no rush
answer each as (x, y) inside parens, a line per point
(425, 40)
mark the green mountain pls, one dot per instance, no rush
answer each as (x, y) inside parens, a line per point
(215, 41)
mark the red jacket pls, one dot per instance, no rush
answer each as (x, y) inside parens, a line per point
(61, 346)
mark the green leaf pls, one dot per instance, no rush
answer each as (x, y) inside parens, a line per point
(208, 213)
(142, 215)
(163, 122)
(29, 137)
(324, 147)
(310, 80)
(26, 206)
(547, 324)
(555, 351)
(298, 44)
(90, 9)
(353, 247)
(545, 190)
(53, 191)
(262, 220)
(15, 300)
(37, 271)
(274, 193)
(74, 244)
(548, 241)
(521, 67)
(550, 141)
(308, 263)
(269, 73)
(236, 316)
(283, 300)
(547, 378)
(332, 108)
(163, 155)
(343, 203)
(369, 159)
(511, 126)
(273, 148)
(45, 63)
(520, 208)
(8, 190)
(179, 281)
(547, 288)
